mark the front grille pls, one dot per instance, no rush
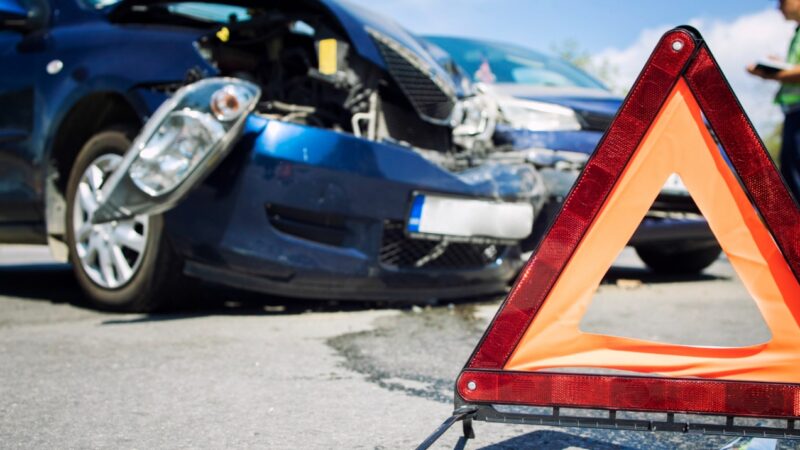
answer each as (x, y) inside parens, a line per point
(426, 94)
(398, 250)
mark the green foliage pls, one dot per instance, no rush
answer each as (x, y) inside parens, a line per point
(570, 51)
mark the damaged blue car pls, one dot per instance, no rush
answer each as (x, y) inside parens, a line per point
(304, 149)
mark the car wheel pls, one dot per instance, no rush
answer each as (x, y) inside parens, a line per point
(115, 263)
(677, 260)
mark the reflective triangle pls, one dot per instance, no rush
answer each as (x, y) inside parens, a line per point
(677, 143)
(658, 131)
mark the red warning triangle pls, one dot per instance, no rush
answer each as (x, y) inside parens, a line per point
(660, 130)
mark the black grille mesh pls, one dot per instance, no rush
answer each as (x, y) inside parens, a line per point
(425, 95)
(400, 251)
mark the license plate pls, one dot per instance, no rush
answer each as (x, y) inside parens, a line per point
(442, 216)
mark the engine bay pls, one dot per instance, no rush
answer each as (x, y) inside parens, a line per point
(310, 74)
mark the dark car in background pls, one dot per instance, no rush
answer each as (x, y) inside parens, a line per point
(555, 114)
(304, 149)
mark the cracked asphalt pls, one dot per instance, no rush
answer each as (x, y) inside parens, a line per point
(245, 371)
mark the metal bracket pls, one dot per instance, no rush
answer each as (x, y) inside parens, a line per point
(464, 414)
(609, 419)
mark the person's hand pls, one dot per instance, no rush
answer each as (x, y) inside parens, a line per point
(761, 73)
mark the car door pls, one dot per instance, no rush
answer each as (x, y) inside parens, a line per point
(21, 55)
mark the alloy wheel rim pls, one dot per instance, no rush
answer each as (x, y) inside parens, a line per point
(109, 253)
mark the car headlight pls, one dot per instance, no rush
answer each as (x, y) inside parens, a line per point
(178, 147)
(181, 142)
(189, 129)
(539, 116)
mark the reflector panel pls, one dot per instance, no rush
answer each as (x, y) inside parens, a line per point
(658, 131)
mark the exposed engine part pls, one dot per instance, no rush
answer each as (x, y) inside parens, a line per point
(289, 108)
(370, 117)
(309, 75)
(474, 120)
(304, 67)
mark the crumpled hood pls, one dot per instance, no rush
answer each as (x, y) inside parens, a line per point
(354, 20)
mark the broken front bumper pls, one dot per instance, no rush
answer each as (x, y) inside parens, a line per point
(306, 212)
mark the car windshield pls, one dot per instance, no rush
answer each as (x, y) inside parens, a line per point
(491, 62)
(209, 12)
(99, 4)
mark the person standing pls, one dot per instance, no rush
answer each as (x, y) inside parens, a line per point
(788, 98)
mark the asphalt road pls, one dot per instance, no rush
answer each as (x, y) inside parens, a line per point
(244, 371)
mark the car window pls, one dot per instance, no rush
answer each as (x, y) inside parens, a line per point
(208, 12)
(38, 11)
(211, 12)
(490, 62)
(99, 4)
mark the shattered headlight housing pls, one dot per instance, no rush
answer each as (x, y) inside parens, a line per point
(189, 128)
(182, 142)
(539, 116)
(474, 120)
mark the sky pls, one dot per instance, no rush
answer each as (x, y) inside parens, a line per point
(620, 34)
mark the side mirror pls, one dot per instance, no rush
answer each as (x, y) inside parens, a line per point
(20, 16)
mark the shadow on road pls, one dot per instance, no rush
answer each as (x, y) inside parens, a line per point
(43, 282)
(554, 440)
(219, 301)
(648, 277)
(55, 283)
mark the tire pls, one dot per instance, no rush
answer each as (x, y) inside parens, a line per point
(100, 253)
(676, 260)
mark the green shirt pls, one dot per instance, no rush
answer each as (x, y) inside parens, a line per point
(789, 94)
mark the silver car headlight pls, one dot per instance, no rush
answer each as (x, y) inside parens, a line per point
(178, 147)
(187, 129)
(183, 139)
(539, 116)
